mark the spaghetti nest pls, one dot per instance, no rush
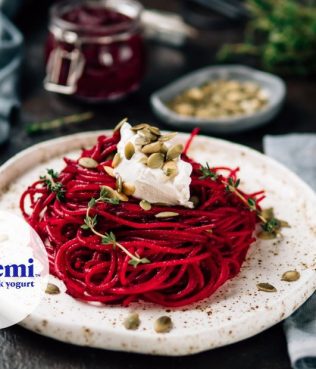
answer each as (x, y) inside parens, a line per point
(185, 257)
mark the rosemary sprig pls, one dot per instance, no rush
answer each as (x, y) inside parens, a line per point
(59, 122)
(50, 181)
(108, 238)
(270, 224)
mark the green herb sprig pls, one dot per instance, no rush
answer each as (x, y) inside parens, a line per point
(50, 180)
(108, 238)
(58, 123)
(281, 34)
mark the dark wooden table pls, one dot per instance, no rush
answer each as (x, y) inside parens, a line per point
(23, 349)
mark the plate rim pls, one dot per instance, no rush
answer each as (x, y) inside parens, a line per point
(29, 323)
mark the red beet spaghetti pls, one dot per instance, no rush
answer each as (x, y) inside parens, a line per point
(177, 260)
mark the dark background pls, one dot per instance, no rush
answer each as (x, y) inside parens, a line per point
(23, 349)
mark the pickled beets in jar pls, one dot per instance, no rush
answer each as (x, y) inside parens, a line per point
(95, 49)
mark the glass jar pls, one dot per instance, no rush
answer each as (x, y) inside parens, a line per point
(95, 49)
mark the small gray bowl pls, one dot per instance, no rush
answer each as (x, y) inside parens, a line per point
(274, 86)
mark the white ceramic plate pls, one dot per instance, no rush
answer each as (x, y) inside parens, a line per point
(236, 311)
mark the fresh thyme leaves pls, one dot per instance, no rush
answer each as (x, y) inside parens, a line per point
(207, 172)
(50, 181)
(232, 185)
(252, 203)
(270, 225)
(57, 123)
(108, 238)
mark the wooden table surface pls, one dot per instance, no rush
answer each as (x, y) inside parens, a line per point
(23, 349)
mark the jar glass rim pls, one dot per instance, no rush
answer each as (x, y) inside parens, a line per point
(131, 8)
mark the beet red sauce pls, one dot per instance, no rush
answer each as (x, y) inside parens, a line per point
(111, 69)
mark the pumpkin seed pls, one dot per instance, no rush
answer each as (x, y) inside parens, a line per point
(168, 136)
(145, 205)
(267, 235)
(146, 132)
(119, 183)
(142, 140)
(174, 151)
(88, 163)
(132, 321)
(195, 200)
(116, 160)
(140, 126)
(155, 160)
(143, 160)
(266, 287)
(119, 125)
(291, 276)
(152, 148)
(164, 149)
(284, 224)
(170, 169)
(129, 150)
(128, 188)
(166, 214)
(121, 196)
(110, 193)
(154, 130)
(163, 324)
(109, 171)
(267, 213)
(52, 289)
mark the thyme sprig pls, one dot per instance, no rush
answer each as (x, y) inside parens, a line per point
(108, 238)
(50, 180)
(269, 223)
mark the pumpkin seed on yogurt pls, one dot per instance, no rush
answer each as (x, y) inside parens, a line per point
(151, 148)
(119, 183)
(174, 151)
(170, 169)
(167, 136)
(116, 160)
(155, 160)
(129, 150)
(128, 188)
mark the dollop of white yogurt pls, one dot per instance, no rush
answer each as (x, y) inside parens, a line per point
(150, 184)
